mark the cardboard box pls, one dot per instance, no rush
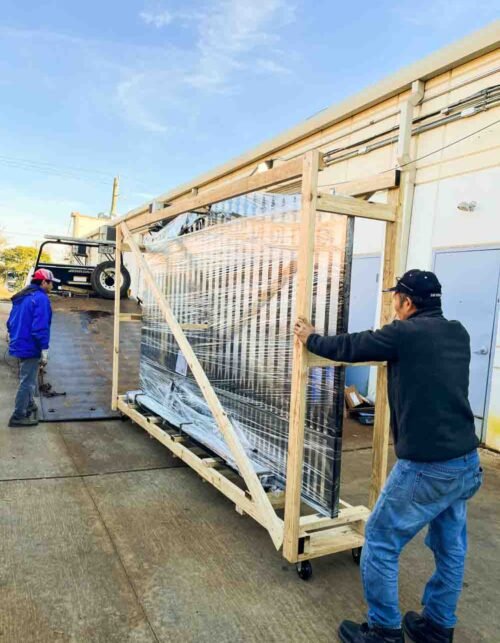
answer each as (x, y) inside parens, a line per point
(358, 406)
(354, 399)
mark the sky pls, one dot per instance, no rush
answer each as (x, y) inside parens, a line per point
(160, 91)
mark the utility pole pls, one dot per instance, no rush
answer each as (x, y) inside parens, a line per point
(114, 196)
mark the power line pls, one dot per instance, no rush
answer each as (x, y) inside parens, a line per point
(63, 170)
(444, 147)
(54, 166)
(51, 172)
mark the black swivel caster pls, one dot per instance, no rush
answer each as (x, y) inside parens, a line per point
(356, 554)
(304, 569)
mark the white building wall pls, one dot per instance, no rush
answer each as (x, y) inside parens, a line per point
(464, 171)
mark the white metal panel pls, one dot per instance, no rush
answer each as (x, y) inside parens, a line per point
(470, 286)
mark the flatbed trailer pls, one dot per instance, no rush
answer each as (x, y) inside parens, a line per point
(76, 383)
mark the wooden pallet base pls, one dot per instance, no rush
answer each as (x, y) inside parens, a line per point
(318, 535)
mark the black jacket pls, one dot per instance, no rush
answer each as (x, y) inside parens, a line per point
(428, 380)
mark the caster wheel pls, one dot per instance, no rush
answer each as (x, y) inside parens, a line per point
(356, 555)
(304, 569)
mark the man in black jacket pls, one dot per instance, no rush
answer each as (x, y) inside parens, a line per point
(437, 469)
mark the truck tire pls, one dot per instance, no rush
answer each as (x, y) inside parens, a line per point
(103, 280)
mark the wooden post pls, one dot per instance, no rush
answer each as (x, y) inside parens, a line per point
(263, 505)
(114, 197)
(300, 357)
(381, 426)
(116, 321)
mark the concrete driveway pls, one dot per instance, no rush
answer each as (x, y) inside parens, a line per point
(105, 538)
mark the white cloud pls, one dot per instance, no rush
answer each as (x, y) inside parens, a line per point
(159, 18)
(232, 33)
(233, 39)
(160, 88)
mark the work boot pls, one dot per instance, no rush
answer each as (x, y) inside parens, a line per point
(32, 410)
(422, 630)
(350, 632)
(25, 421)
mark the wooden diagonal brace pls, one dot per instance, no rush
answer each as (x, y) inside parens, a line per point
(263, 505)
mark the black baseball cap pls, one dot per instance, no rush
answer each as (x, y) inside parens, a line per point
(418, 283)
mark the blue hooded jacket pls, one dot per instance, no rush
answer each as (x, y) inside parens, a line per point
(29, 322)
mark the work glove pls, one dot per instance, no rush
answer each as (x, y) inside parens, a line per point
(45, 357)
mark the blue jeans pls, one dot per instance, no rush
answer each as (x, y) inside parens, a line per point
(28, 371)
(417, 494)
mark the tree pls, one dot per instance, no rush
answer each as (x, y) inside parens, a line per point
(16, 262)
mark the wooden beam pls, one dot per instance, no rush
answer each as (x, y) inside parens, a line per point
(381, 422)
(212, 462)
(116, 322)
(289, 170)
(355, 207)
(245, 466)
(345, 517)
(130, 317)
(331, 541)
(277, 499)
(369, 184)
(314, 361)
(299, 364)
(187, 326)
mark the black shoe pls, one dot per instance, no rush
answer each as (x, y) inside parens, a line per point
(350, 632)
(26, 421)
(422, 630)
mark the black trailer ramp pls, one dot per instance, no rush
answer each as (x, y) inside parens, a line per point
(76, 383)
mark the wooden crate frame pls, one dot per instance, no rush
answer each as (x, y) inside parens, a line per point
(302, 537)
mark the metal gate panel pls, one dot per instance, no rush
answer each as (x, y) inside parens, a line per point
(232, 287)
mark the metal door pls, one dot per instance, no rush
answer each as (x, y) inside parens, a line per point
(470, 290)
(362, 309)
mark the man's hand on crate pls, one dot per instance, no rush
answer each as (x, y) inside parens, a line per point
(303, 329)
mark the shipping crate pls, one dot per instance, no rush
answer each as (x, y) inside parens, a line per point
(301, 537)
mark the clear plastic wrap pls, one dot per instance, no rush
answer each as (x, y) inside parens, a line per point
(230, 278)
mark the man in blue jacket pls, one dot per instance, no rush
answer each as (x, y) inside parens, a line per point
(29, 336)
(437, 469)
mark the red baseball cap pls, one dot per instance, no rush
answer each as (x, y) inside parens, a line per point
(45, 275)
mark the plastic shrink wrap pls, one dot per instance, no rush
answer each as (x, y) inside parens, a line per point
(230, 277)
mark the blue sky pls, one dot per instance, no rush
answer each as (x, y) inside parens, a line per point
(159, 91)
